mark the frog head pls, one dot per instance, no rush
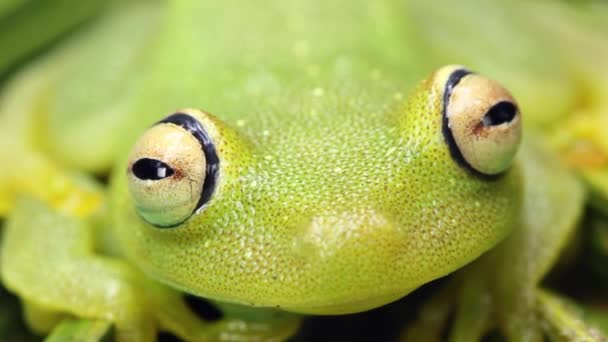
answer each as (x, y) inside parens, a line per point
(332, 202)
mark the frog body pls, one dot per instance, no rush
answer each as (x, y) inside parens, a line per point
(298, 169)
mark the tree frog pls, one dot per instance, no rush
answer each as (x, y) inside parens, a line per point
(305, 173)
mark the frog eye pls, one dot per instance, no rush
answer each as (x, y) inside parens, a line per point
(481, 123)
(172, 170)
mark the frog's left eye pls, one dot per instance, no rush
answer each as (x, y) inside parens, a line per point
(481, 123)
(172, 170)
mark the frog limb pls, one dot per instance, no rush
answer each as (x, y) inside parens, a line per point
(43, 247)
(239, 323)
(35, 175)
(467, 296)
(563, 321)
(172, 313)
(47, 258)
(500, 288)
(241, 330)
(27, 170)
(81, 331)
(434, 315)
(40, 319)
(242, 323)
(474, 309)
(553, 205)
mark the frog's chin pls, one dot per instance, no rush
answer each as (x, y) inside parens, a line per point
(347, 307)
(327, 307)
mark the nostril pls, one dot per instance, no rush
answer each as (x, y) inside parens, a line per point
(151, 169)
(203, 308)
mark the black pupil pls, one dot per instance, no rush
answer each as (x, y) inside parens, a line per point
(500, 113)
(151, 169)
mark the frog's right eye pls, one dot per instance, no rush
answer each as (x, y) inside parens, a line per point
(172, 170)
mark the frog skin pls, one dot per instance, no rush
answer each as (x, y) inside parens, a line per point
(332, 191)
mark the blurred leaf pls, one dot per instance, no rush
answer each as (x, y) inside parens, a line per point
(35, 23)
(563, 319)
(7, 6)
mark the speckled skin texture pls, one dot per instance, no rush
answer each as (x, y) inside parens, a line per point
(336, 192)
(345, 200)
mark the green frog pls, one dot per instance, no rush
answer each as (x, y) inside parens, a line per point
(276, 168)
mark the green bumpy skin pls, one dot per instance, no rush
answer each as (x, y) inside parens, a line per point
(327, 204)
(335, 193)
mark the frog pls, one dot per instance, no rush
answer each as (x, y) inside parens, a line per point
(325, 180)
